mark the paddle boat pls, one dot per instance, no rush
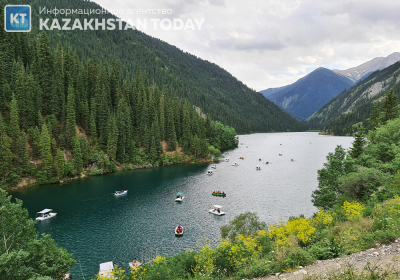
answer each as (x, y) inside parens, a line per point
(45, 214)
(210, 172)
(106, 269)
(214, 166)
(179, 231)
(135, 264)
(179, 197)
(118, 193)
(216, 210)
(258, 168)
(219, 194)
(235, 164)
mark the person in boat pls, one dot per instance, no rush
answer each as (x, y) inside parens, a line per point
(223, 192)
(134, 261)
(218, 210)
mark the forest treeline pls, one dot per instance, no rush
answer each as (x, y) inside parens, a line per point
(61, 115)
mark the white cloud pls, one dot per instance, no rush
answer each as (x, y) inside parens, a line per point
(271, 43)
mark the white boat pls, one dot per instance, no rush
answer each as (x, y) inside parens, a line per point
(216, 210)
(106, 269)
(214, 166)
(227, 160)
(179, 197)
(258, 168)
(235, 164)
(117, 193)
(45, 214)
(210, 172)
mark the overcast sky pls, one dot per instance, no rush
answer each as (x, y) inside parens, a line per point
(272, 43)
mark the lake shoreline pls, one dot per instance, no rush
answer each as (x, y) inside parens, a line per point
(25, 185)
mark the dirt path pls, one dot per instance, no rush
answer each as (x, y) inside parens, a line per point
(383, 256)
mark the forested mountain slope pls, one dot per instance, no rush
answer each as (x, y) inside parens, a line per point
(204, 84)
(307, 95)
(355, 105)
(61, 116)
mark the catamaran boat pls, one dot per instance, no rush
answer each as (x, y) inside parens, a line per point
(258, 168)
(210, 172)
(179, 197)
(216, 210)
(214, 166)
(45, 214)
(117, 193)
(106, 269)
(135, 264)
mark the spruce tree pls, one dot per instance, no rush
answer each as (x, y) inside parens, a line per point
(70, 128)
(112, 141)
(22, 155)
(77, 161)
(59, 164)
(14, 131)
(153, 150)
(45, 72)
(390, 107)
(358, 144)
(6, 155)
(45, 149)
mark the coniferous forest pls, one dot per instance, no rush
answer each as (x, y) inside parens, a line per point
(61, 116)
(202, 83)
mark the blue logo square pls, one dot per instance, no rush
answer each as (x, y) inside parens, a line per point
(17, 18)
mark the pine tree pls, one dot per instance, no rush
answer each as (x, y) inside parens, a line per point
(358, 144)
(70, 129)
(59, 164)
(6, 155)
(77, 161)
(45, 149)
(14, 131)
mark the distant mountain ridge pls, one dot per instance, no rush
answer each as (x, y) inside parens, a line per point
(362, 71)
(304, 97)
(343, 114)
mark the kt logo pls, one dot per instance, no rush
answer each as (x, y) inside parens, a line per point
(17, 18)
